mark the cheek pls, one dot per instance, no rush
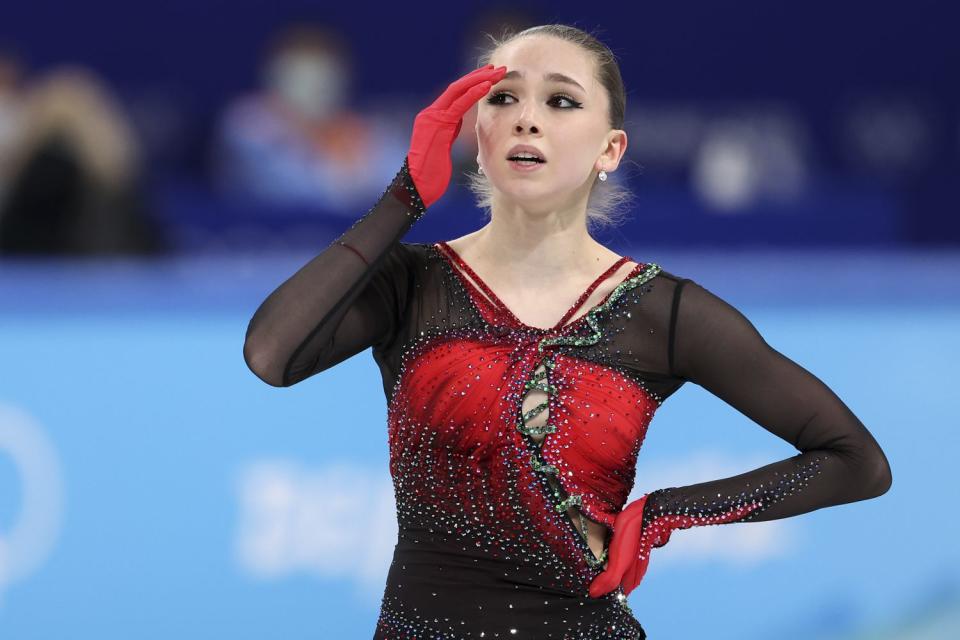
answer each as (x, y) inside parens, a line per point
(486, 120)
(486, 126)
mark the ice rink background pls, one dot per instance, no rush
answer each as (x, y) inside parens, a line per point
(152, 487)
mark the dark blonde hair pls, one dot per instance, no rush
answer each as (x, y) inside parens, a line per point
(607, 201)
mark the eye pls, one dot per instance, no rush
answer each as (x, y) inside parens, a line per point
(560, 96)
(497, 99)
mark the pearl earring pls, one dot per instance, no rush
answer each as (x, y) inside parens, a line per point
(479, 169)
(602, 175)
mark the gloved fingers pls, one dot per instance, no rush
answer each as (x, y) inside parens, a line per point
(467, 100)
(636, 571)
(621, 556)
(635, 508)
(606, 581)
(458, 87)
(633, 584)
(624, 547)
(639, 559)
(603, 584)
(627, 526)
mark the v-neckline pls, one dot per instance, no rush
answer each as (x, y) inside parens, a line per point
(495, 301)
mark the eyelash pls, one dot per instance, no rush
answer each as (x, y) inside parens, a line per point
(576, 105)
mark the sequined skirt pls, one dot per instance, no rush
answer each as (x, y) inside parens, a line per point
(439, 591)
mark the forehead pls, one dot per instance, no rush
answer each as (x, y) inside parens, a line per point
(534, 56)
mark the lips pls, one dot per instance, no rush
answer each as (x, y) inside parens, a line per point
(525, 149)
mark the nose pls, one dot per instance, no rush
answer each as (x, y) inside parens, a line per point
(525, 121)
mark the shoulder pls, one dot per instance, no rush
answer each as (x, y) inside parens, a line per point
(690, 298)
(682, 286)
(696, 310)
(663, 274)
(662, 283)
(419, 251)
(417, 256)
(671, 295)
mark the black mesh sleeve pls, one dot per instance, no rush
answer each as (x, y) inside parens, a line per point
(718, 348)
(349, 297)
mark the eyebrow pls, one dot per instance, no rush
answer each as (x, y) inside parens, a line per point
(549, 77)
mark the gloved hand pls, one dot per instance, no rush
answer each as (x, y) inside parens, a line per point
(632, 542)
(629, 551)
(436, 127)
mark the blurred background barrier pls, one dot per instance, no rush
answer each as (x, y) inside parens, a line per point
(164, 167)
(185, 128)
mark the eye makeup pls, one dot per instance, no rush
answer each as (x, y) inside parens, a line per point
(495, 100)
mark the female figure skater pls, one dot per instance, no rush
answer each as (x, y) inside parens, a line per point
(523, 363)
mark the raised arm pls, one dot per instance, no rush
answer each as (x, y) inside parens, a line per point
(353, 294)
(718, 348)
(344, 300)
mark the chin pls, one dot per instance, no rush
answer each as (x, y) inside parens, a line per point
(534, 198)
(522, 191)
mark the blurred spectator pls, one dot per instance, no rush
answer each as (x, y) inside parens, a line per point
(74, 178)
(297, 141)
(11, 98)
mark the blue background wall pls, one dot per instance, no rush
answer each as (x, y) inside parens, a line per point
(177, 64)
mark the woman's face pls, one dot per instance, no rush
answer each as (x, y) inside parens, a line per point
(566, 120)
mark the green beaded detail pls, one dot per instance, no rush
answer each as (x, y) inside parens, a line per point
(540, 466)
(594, 561)
(540, 384)
(540, 375)
(536, 431)
(651, 270)
(537, 410)
(584, 529)
(566, 503)
(539, 381)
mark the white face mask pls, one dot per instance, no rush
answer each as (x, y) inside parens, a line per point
(313, 84)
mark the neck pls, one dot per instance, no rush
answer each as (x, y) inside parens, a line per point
(539, 246)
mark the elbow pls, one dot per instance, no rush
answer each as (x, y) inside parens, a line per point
(884, 481)
(880, 476)
(262, 363)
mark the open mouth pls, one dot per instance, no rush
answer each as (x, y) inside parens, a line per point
(526, 160)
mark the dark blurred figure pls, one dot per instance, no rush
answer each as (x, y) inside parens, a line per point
(74, 174)
(297, 140)
(11, 112)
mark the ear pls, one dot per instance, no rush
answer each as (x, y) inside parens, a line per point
(616, 146)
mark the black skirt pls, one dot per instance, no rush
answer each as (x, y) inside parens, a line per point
(437, 590)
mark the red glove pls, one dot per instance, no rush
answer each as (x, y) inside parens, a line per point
(631, 544)
(436, 127)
